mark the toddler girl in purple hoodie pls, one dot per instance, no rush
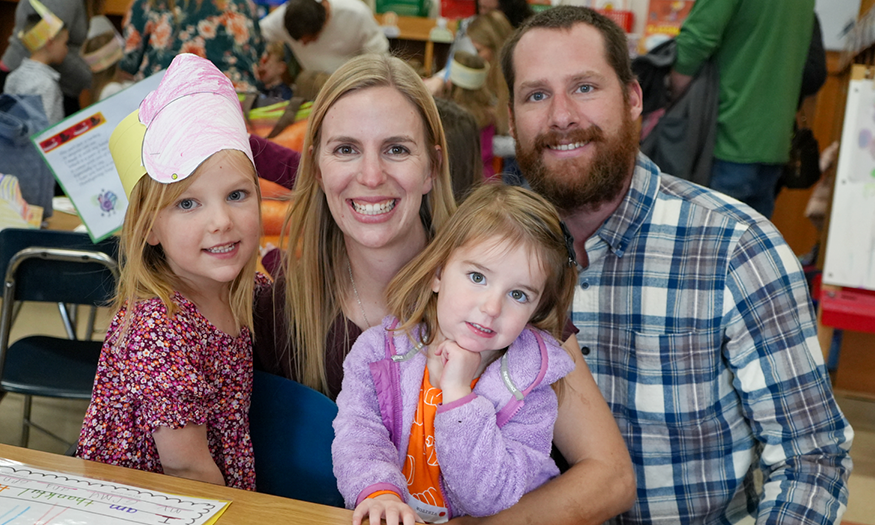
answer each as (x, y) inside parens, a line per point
(447, 407)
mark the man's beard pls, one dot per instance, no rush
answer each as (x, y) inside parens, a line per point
(580, 183)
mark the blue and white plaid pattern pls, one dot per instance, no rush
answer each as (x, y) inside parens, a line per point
(695, 320)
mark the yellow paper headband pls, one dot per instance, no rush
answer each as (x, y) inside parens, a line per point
(466, 77)
(126, 147)
(45, 30)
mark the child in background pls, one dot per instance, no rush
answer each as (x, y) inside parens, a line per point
(102, 51)
(174, 378)
(45, 36)
(273, 72)
(468, 89)
(463, 147)
(446, 408)
(488, 33)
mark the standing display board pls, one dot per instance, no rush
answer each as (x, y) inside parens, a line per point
(850, 251)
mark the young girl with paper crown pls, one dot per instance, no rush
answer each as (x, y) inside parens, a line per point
(102, 51)
(175, 375)
(447, 408)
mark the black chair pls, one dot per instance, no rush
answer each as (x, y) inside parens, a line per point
(58, 267)
(291, 431)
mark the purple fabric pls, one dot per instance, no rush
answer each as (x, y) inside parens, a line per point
(485, 469)
(274, 162)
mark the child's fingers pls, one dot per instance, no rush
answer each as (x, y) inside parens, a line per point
(360, 511)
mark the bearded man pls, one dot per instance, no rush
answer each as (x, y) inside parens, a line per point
(693, 313)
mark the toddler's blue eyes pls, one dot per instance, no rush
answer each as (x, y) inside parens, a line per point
(186, 204)
(476, 277)
(519, 296)
(237, 195)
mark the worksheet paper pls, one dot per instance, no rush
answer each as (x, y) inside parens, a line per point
(77, 151)
(31, 496)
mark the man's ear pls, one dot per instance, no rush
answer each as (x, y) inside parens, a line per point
(636, 99)
(511, 128)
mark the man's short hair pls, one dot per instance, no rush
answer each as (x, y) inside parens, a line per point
(566, 17)
(304, 18)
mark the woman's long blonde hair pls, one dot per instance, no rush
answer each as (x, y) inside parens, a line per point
(492, 30)
(317, 279)
(145, 272)
(492, 211)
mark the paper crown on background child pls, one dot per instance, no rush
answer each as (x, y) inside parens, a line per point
(45, 30)
(109, 53)
(467, 77)
(193, 114)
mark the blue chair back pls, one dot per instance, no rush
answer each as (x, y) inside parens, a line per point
(291, 433)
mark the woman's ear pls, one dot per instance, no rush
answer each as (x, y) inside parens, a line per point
(434, 171)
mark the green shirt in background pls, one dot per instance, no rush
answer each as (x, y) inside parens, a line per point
(760, 48)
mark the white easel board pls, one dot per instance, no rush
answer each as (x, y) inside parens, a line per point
(850, 251)
(77, 151)
(32, 496)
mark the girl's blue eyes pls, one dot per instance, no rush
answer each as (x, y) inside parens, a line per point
(190, 204)
(517, 295)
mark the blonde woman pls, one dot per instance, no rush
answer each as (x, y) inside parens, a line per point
(372, 187)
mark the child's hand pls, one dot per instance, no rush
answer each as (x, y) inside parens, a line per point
(385, 506)
(460, 368)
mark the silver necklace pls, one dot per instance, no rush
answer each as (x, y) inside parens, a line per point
(355, 290)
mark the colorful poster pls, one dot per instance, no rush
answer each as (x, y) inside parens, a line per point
(850, 252)
(76, 149)
(31, 496)
(664, 21)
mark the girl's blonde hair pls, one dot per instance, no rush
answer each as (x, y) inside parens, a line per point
(491, 31)
(479, 102)
(494, 211)
(317, 280)
(145, 272)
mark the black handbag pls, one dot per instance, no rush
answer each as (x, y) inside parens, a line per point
(803, 169)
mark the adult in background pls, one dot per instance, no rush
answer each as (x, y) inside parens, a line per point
(372, 188)
(225, 32)
(692, 311)
(760, 51)
(323, 34)
(75, 73)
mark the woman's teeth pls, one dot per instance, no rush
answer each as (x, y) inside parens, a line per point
(374, 209)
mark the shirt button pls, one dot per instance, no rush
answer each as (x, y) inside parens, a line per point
(585, 350)
(584, 285)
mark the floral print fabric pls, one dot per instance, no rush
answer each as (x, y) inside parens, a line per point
(172, 371)
(226, 32)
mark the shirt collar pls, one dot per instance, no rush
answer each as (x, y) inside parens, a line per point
(619, 229)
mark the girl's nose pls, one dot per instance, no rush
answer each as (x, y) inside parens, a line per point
(491, 304)
(221, 219)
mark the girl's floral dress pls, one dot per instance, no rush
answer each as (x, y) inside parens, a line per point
(172, 371)
(226, 32)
